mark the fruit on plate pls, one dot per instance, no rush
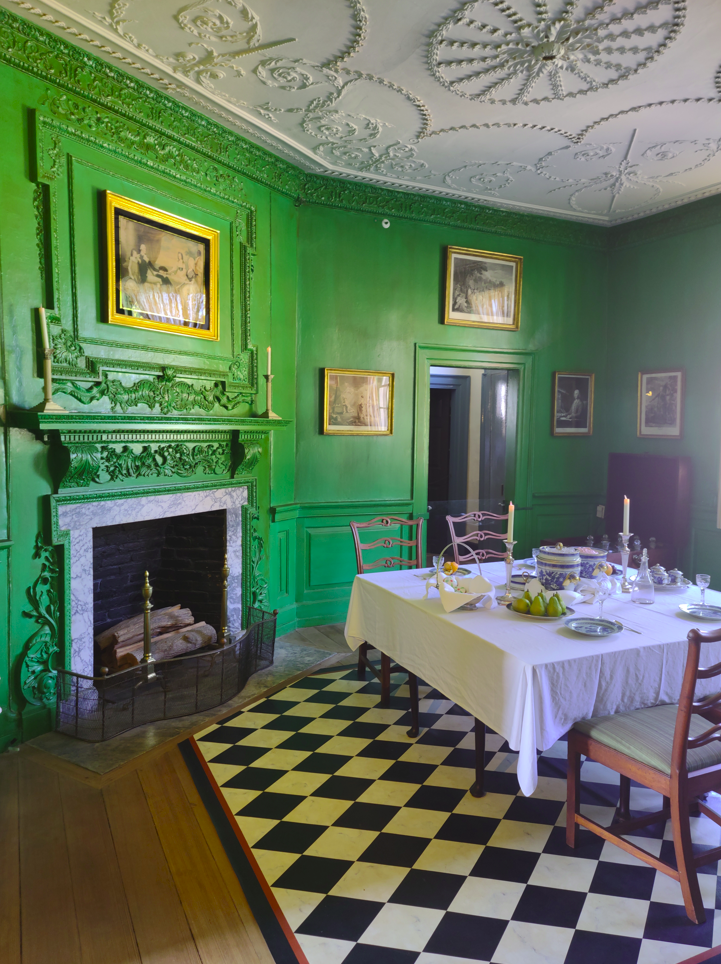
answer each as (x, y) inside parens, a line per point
(538, 606)
(608, 569)
(555, 607)
(520, 604)
(450, 567)
(528, 597)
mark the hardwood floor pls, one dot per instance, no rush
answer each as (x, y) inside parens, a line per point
(128, 873)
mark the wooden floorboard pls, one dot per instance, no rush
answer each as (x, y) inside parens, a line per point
(49, 926)
(9, 861)
(101, 907)
(219, 932)
(161, 928)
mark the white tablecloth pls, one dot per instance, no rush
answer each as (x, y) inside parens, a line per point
(529, 680)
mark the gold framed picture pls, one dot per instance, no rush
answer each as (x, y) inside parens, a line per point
(357, 402)
(572, 403)
(483, 289)
(162, 270)
(660, 403)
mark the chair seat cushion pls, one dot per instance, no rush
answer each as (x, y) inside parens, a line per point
(647, 736)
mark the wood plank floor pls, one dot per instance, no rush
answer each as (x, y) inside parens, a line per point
(130, 873)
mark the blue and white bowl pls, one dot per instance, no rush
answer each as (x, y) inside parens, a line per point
(558, 567)
(592, 562)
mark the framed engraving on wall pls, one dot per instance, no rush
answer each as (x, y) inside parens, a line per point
(357, 402)
(572, 403)
(162, 270)
(483, 289)
(660, 404)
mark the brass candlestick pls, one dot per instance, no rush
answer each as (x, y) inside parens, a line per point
(507, 597)
(224, 603)
(625, 537)
(47, 405)
(268, 413)
(147, 656)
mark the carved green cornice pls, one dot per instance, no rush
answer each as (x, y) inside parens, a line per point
(37, 672)
(703, 213)
(91, 463)
(96, 91)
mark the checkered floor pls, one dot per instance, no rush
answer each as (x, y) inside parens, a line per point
(377, 853)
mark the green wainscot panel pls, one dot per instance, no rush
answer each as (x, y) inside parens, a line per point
(330, 557)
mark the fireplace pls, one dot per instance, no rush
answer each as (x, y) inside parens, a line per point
(183, 556)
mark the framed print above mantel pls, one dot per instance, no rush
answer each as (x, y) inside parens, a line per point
(660, 403)
(357, 402)
(572, 403)
(162, 270)
(483, 289)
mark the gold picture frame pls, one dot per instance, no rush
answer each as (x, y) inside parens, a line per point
(660, 403)
(572, 403)
(357, 402)
(483, 289)
(162, 270)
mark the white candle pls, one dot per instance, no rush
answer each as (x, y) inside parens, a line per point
(269, 359)
(511, 513)
(626, 508)
(44, 330)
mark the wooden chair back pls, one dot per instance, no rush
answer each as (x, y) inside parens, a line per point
(463, 552)
(708, 707)
(389, 541)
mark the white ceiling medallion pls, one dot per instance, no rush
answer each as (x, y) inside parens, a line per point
(489, 52)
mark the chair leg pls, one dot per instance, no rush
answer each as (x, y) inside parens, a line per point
(624, 804)
(573, 791)
(478, 789)
(385, 680)
(413, 687)
(684, 858)
(362, 651)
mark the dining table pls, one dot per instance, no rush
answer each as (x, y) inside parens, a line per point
(529, 679)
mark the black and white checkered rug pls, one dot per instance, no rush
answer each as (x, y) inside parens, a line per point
(376, 852)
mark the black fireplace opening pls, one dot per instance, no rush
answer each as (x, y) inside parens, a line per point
(183, 555)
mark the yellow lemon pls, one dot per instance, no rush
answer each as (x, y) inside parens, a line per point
(450, 567)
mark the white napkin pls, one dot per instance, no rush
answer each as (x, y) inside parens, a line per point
(477, 587)
(589, 587)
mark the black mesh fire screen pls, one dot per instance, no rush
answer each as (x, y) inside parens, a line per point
(99, 708)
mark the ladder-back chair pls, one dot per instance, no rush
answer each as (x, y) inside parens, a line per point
(675, 750)
(462, 551)
(386, 542)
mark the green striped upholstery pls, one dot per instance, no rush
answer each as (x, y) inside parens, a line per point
(647, 736)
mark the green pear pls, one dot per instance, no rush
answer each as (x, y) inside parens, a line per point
(520, 605)
(528, 597)
(538, 606)
(554, 607)
(563, 605)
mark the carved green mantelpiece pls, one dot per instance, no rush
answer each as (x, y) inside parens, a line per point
(38, 675)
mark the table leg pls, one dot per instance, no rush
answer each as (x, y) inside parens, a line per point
(477, 789)
(385, 680)
(413, 687)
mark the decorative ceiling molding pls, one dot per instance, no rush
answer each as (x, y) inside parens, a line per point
(493, 103)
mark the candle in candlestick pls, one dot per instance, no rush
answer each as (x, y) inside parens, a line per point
(44, 330)
(511, 513)
(269, 359)
(626, 508)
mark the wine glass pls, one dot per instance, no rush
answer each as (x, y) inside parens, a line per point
(702, 581)
(605, 587)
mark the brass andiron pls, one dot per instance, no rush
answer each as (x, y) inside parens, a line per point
(47, 405)
(224, 603)
(147, 656)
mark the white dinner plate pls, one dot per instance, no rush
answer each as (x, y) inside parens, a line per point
(594, 626)
(701, 612)
(509, 607)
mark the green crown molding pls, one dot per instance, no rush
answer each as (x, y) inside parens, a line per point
(54, 60)
(706, 212)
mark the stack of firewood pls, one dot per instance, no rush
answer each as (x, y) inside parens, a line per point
(173, 631)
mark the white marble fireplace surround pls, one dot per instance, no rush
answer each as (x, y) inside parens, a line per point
(82, 517)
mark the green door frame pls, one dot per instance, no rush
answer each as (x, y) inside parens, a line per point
(447, 356)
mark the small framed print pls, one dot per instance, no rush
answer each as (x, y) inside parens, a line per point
(660, 404)
(572, 403)
(483, 289)
(357, 402)
(162, 270)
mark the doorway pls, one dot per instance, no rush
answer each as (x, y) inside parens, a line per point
(472, 438)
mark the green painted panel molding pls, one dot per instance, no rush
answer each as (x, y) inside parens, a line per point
(307, 267)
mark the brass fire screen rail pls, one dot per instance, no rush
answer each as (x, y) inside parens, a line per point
(99, 708)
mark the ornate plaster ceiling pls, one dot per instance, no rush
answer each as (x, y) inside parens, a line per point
(597, 110)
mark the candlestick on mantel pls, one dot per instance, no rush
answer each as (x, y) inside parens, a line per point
(511, 514)
(47, 405)
(626, 512)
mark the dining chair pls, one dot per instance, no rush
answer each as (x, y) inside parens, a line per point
(671, 749)
(462, 551)
(383, 543)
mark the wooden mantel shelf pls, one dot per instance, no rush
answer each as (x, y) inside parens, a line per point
(112, 422)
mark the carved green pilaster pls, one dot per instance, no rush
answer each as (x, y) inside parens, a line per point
(37, 672)
(259, 580)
